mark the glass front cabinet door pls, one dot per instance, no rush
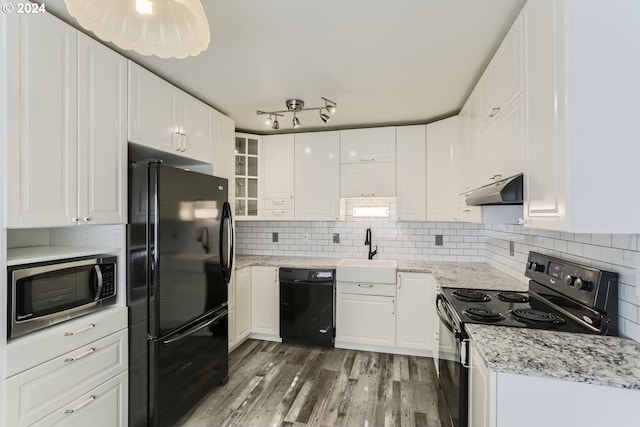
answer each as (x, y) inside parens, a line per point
(247, 175)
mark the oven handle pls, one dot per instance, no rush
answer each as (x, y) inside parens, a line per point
(464, 353)
(442, 314)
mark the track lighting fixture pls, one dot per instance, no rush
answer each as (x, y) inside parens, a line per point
(294, 106)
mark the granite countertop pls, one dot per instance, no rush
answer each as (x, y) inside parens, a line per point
(448, 274)
(592, 359)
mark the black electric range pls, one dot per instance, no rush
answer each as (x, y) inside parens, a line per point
(562, 296)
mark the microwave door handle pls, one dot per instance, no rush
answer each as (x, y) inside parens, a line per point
(99, 280)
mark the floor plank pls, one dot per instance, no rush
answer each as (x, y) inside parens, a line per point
(275, 384)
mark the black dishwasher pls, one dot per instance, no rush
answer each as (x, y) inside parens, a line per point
(307, 306)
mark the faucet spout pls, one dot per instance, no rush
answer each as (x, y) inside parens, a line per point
(367, 241)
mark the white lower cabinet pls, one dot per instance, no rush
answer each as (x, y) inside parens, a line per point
(365, 319)
(265, 303)
(239, 307)
(415, 321)
(104, 406)
(498, 399)
(65, 389)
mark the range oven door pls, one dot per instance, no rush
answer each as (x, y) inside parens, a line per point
(453, 377)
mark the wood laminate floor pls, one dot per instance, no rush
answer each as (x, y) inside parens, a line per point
(273, 384)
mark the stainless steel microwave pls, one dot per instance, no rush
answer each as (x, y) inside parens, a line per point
(44, 294)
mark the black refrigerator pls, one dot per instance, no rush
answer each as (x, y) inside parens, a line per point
(180, 252)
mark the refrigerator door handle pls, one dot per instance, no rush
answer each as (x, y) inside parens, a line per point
(228, 221)
(195, 329)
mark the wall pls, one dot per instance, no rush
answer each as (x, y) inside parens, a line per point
(613, 252)
(395, 240)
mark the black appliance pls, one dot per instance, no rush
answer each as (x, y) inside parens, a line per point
(563, 296)
(307, 313)
(180, 250)
(43, 294)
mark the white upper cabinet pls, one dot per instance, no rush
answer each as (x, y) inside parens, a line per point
(163, 117)
(411, 173)
(376, 179)
(442, 170)
(501, 109)
(102, 133)
(278, 156)
(501, 82)
(368, 145)
(248, 176)
(278, 166)
(581, 143)
(317, 177)
(223, 153)
(66, 105)
(470, 160)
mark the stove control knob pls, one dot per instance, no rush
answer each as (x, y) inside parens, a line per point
(536, 267)
(569, 280)
(582, 285)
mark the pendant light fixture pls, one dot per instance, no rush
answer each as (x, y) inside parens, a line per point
(164, 28)
(295, 105)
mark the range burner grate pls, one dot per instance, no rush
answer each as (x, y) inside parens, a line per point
(471, 295)
(536, 317)
(480, 313)
(513, 297)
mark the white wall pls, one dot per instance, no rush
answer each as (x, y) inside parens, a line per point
(614, 252)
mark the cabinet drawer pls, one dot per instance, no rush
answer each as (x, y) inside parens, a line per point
(41, 390)
(284, 214)
(104, 406)
(367, 288)
(36, 348)
(279, 204)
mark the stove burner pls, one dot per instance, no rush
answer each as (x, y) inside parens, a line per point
(536, 317)
(470, 295)
(486, 314)
(513, 297)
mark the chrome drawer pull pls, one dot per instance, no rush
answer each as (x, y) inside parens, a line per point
(365, 286)
(81, 330)
(80, 406)
(80, 356)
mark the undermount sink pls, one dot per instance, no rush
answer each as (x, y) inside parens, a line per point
(366, 270)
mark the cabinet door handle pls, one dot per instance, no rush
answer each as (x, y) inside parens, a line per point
(75, 219)
(494, 111)
(175, 141)
(467, 210)
(496, 176)
(399, 281)
(79, 331)
(368, 160)
(394, 306)
(278, 213)
(86, 219)
(80, 356)
(362, 285)
(367, 194)
(80, 406)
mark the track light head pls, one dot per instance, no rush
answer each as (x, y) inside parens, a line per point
(268, 121)
(330, 106)
(296, 122)
(324, 117)
(275, 125)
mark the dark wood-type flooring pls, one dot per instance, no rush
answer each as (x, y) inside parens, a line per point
(273, 384)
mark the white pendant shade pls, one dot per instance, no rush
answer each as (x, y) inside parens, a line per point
(165, 28)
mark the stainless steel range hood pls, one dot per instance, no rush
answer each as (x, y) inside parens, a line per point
(505, 192)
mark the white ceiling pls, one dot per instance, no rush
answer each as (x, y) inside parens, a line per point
(384, 62)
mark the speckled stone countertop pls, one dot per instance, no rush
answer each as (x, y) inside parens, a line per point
(448, 274)
(593, 359)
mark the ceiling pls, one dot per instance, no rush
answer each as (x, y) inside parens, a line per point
(383, 62)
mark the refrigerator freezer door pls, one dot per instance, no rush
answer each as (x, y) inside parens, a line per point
(185, 366)
(185, 222)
